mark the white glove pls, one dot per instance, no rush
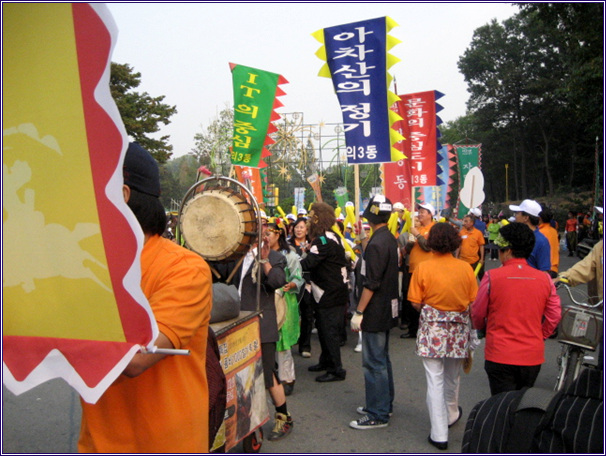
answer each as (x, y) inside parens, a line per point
(356, 323)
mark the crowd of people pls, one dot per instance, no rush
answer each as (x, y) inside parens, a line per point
(425, 276)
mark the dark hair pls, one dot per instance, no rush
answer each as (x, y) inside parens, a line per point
(322, 219)
(341, 226)
(282, 243)
(546, 215)
(520, 237)
(149, 212)
(533, 219)
(443, 238)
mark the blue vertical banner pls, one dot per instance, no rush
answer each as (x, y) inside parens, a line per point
(357, 61)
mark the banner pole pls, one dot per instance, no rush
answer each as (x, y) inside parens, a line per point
(357, 190)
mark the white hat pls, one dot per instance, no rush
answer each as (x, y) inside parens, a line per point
(398, 206)
(302, 211)
(476, 211)
(529, 206)
(291, 217)
(429, 207)
(341, 217)
(599, 209)
(263, 215)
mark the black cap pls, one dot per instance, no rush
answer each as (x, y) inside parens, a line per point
(141, 171)
(378, 210)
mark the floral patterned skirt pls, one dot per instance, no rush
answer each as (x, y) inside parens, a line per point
(443, 334)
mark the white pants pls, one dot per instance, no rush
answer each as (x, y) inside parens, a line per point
(443, 375)
(286, 366)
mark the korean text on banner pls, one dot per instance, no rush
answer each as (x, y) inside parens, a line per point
(357, 61)
(72, 301)
(419, 111)
(255, 101)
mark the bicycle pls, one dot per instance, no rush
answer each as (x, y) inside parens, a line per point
(580, 331)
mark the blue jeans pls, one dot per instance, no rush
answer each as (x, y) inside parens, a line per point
(378, 375)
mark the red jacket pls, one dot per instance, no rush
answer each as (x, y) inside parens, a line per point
(511, 303)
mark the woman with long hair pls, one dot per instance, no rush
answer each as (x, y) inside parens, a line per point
(300, 241)
(289, 332)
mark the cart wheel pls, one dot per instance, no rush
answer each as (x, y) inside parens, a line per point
(252, 443)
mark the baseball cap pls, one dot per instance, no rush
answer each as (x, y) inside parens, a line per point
(140, 170)
(429, 207)
(398, 206)
(529, 206)
(378, 210)
(291, 217)
(476, 211)
(302, 211)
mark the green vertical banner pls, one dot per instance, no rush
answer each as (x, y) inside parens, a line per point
(468, 156)
(255, 101)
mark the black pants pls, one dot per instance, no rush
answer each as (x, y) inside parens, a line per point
(410, 315)
(508, 377)
(329, 322)
(307, 321)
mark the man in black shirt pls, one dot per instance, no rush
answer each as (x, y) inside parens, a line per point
(376, 314)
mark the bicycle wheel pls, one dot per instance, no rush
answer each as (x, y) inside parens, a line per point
(573, 366)
(563, 363)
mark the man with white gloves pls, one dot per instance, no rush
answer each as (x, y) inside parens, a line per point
(376, 314)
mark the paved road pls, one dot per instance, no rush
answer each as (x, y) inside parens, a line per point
(46, 419)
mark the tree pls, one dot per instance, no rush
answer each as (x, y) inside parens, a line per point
(212, 148)
(140, 112)
(521, 75)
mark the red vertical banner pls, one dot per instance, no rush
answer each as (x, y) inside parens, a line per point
(420, 130)
(251, 178)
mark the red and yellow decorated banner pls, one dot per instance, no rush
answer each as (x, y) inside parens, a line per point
(72, 302)
(420, 129)
(255, 101)
(357, 61)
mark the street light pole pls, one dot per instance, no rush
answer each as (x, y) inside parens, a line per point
(506, 183)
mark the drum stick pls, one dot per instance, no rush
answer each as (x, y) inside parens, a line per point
(215, 272)
(238, 264)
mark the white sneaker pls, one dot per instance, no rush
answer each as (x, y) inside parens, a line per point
(358, 348)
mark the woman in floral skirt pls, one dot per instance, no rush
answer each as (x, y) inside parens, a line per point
(442, 290)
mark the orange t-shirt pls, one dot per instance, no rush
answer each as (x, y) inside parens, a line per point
(417, 254)
(470, 245)
(552, 236)
(444, 283)
(165, 409)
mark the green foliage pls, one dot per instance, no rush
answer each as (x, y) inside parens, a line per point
(212, 147)
(140, 112)
(536, 99)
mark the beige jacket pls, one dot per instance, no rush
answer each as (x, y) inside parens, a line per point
(589, 270)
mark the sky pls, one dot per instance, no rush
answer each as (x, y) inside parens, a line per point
(183, 51)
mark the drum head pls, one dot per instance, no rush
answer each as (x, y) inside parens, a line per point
(214, 224)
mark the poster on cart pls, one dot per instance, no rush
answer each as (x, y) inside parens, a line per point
(246, 403)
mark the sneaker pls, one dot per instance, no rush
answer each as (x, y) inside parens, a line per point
(306, 354)
(358, 348)
(366, 422)
(282, 427)
(363, 411)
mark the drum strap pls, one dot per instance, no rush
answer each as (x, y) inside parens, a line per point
(323, 240)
